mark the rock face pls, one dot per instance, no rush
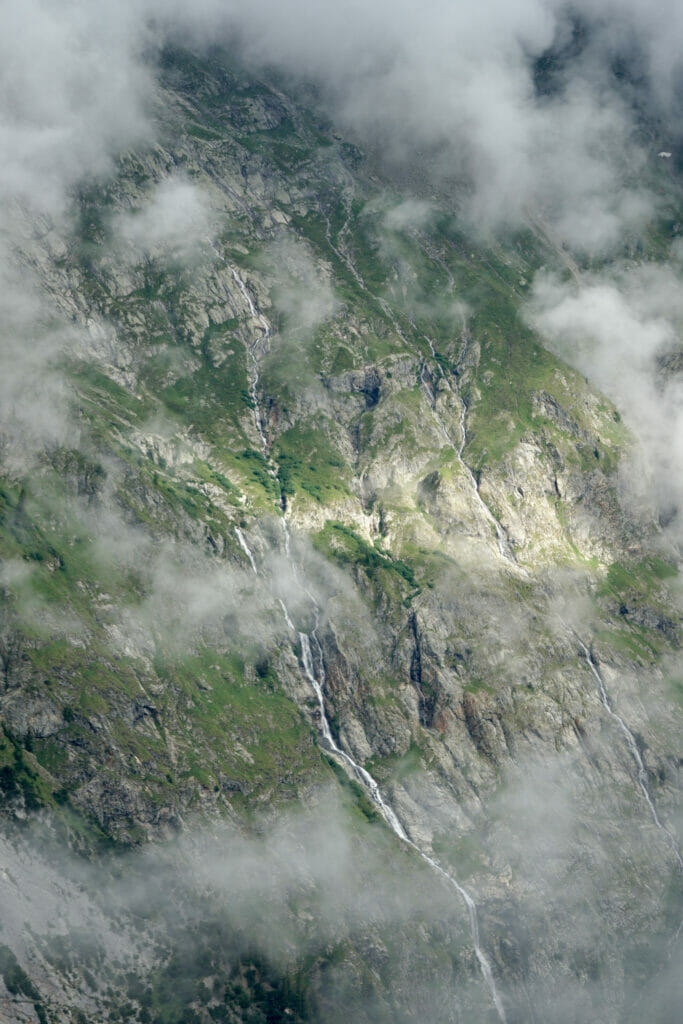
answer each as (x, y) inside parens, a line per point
(277, 439)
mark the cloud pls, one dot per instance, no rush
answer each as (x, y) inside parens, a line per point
(301, 290)
(618, 327)
(72, 92)
(449, 95)
(456, 92)
(174, 223)
(74, 89)
(327, 888)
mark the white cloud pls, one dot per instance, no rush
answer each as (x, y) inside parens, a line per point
(615, 327)
(174, 222)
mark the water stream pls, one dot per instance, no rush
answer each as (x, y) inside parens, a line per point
(258, 347)
(245, 547)
(641, 771)
(313, 666)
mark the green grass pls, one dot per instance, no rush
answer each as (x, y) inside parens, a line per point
(635, 643)
(340, 543)
(478, 686)
(308, 462)
(250, 730)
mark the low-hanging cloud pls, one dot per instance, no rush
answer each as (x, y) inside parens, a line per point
(302, 293)
(447, 92)
(174, 223)
(619, 328)
(456, 91)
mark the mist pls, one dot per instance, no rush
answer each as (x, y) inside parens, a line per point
(324, 886)
(620, 328)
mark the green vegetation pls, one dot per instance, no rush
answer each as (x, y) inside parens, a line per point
(249, 730)
(340, 543)
(640, 579)
(478, 686)
(19, 781)
(308, 462)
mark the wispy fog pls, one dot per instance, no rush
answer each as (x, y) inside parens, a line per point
(621, 328)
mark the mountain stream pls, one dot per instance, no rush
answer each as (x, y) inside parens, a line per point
(641, 771)
(313, 666)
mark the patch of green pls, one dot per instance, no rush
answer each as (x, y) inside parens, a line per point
(185, 496)
(251, 732)
(638, 580)
(579, 557)
(18, 779)
(340, 543)
(477, 686)
(207, 472)
(114, 403)
(512, 368)
(214, 398)
(308, 462)
(428, 565)
(51, 755)
(360, 800)
(312, 226)
(254, 466)
(402, 424)
(636, 643)
(38, 528)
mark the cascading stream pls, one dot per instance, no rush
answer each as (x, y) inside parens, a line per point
(391, 819)
(362, 776)
(317, 683)
(260, 343)
(641, 775)
(247, 550)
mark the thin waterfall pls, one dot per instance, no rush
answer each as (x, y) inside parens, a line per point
(317, 680)
(641, 772)
(317, 683)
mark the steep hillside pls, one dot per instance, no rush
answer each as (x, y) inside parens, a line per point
(327, 603)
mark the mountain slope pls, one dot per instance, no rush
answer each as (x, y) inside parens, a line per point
(310, 436)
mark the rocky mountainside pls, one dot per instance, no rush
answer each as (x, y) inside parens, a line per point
(340, 670)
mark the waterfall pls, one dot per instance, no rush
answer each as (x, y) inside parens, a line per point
(390, 817)
(252, 350)
(317, 683)
(641, 773)
(317, 680)
(247, 550)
